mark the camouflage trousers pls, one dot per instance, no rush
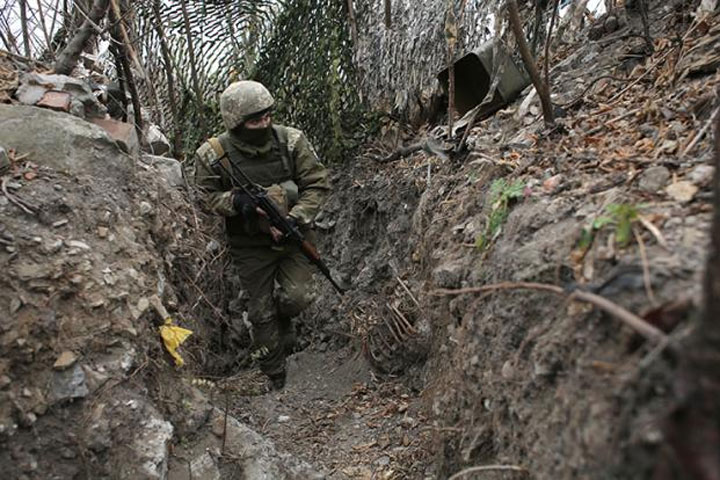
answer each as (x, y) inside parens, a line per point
(279, 283)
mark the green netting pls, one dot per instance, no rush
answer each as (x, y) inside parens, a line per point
(307, 65)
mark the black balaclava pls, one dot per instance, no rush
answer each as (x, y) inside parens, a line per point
(256, 137)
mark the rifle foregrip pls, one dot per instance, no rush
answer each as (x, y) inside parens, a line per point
(310, 250)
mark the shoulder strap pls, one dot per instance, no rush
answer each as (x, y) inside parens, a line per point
(220, 157)
(216, 146)
(282, 140)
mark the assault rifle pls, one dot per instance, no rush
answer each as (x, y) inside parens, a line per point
(290, 232)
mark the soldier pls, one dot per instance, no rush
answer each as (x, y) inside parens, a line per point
(282, 160)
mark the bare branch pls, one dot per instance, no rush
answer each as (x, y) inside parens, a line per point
(541, 87)
(68, 57)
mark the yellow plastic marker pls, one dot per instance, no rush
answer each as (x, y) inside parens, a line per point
(173, 336)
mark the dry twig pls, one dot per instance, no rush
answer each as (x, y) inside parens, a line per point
(487, 468)
(636, 323)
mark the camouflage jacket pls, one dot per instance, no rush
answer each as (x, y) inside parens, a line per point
(268, 167)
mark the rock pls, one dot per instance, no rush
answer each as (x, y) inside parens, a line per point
(145, 208)
(55, 91)
(54, 100)
(68, 385)
(4, 381)
(168, 168)
(653, 179)
(507, 371)
(65, 360)
(123, 133)
(449, 275)
(4, 160)
(63, 142)
(551, 184)
(151, 447)
(702, 175)
(257, 455)
(205, 467)
(682, 191)
(78, 244)
(155, 143)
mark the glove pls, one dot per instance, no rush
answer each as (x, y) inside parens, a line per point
(243, 204)
(240, 200)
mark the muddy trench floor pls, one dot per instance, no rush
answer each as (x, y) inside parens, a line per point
(334, 413)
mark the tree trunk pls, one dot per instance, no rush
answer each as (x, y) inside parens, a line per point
(123, 55)
(388, 14)
(41, 16)
(25, 30)
(554, 14)
(170, 78)
(451, 39)
(542, 88)
(193, 68)
(69, 56)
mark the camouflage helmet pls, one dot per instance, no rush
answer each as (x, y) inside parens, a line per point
(243, 99)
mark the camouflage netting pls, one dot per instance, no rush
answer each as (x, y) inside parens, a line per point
(225, 34)
(307, 65)
(398, 65)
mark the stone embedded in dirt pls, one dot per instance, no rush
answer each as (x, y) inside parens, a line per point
(145, 208)
(54, 100)
(151, 447)
(123, 133)
(702, 175)
(28, 270)
(102, 232)
(449, 275)
(86, 148)
(682, 191)
(256, 454)
(4, 381)
(34, 88)
(205, 467)
(68, 385)
(551, 184)
(65, 360)
(168, 168)
(154, 141)
(653, 179)
(78, 244)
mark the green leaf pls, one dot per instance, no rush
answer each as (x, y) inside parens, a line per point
(516, 189)
(600, 222)
(480, 241)
(623, 232)
(586, 239)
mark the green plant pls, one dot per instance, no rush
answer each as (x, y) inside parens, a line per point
(621, 216)
(500, 196)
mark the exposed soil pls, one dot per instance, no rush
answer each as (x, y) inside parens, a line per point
(403, 377)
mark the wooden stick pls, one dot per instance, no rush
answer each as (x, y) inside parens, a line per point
(633, 321)
(701, 133)
(542, 88)
(487, 468)
(645, 267)
(405, 287)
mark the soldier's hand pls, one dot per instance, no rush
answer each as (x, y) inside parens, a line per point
(241, 201)
(276, 234)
